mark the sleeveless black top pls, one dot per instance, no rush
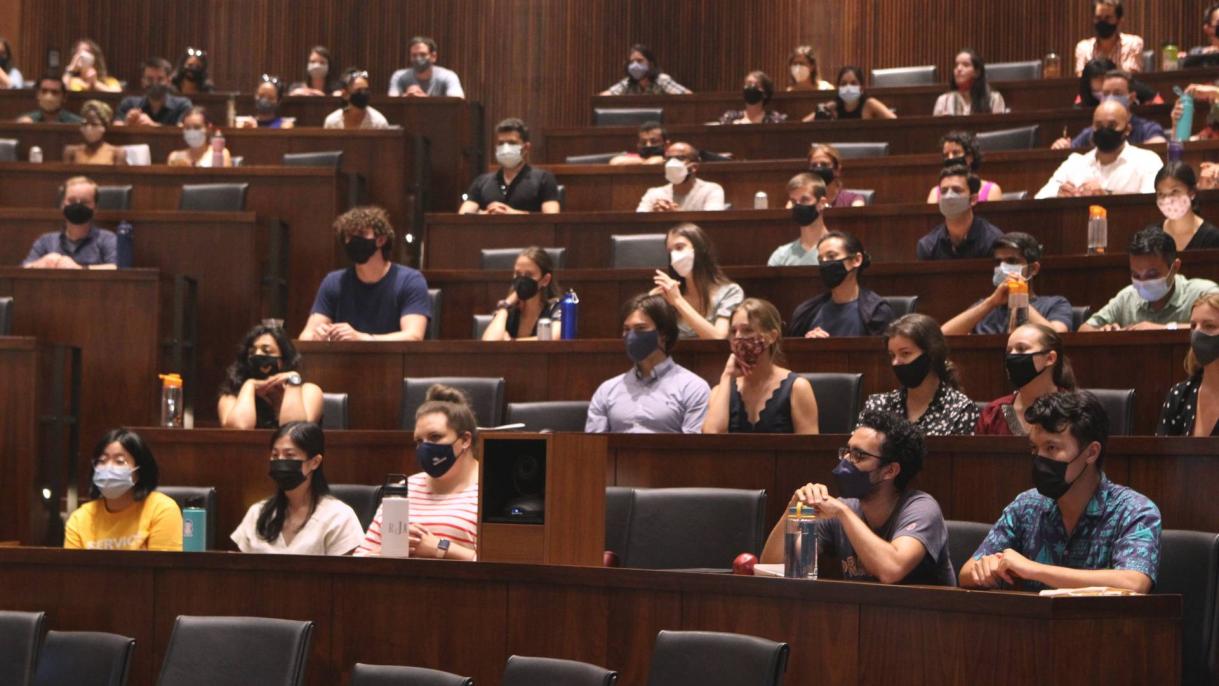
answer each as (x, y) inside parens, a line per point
(776, 414)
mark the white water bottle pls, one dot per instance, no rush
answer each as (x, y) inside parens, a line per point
(36, 155)
(760, 201)
(395, 517)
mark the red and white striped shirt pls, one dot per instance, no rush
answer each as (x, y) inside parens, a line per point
(453, 516)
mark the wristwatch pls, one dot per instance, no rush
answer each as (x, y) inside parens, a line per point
(443, 546)
(503, 305)
(294, 380)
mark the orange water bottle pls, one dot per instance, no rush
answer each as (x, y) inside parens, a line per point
(1098, 230)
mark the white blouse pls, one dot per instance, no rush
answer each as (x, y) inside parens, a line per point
(333, 529)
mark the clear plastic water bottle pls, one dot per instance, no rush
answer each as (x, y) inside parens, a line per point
(125, 252)
(395, 517)
(36, 155)
(218, 150)
(545, 333)
(1017, 303)
(800, 543)
(1170, 57)
(761, 201)
(194, 526)
(1051, 66)
(1098, 230)
(1185, 125)
(171, 401)
(570, 307)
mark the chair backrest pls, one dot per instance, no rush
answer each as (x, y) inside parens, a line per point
(1189, 566)
(84, 658)
(562, 196)
(1015, 195)
(183, 495)
(486, 396)
(599, 158)
(626, 116)
(1020, 138)
(639, 250)
(1013, 71)
(481, 322)
(138, 155)
(204, 651)
(388, 675)
(707, 658)
(114, 197)
(8, 149)
(839, 398)
(1119, 405)
(868, 194)
(20, 634)
(963, 540)
(6, 316)
(1079, 315)
(553, 415)
(435, 297)
(325, 158)
(694, 528)
(857, 151)
(213, 197)
(1149, 61)
(334, 411)
(902, 304)
(619, 509)
(546, 671)
(904, 76)
(361, 498)
(505, 258)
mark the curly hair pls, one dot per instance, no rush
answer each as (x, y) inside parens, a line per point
(241, 370)
(98, 108)
(354, 221)
(903, 443)
(1077, 411)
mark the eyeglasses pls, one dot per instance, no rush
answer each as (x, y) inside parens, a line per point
(273, 80)
(855, 455)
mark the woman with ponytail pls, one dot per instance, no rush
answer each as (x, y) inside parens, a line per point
(1036, 366)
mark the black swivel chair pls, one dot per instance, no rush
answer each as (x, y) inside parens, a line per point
(8, 149)
(205, 651)
(486, 396)
(108, 197)
(963, 540)
(20, 635)
(6, 316)
(868, 195)
(1015, 195)
(859, 151)
(326, 158)
(904, 76)
(1149, 61)
(1029, 70)
(185, 495)
(386, 675)
(363, 499)
(334, 411)
(839, 398)
(1079, 315)
(902, 304)
(553, 415)
(481, 322)
(504, 259)
(1189, 566)
(213, 197)
(435, 298)
(706, 658)
(1119, 405)
(1021, 138)
(599, 158)
(546, 671)
(638, 251)
(84, 658)
(619, 509)
(626, 116)
(694, 528)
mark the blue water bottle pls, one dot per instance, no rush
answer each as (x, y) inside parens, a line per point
(570, 307)
(125, 256)
(1185, 125)
(194, 526)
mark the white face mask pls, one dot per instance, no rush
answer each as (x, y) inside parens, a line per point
(1004, 270)
(1175, 206)
(682, 261)
(800, 72)
(86, 59)
(954, 205)
(195, 138)
(508, 155)
(676, 171)
(850, 94)
(317, 69)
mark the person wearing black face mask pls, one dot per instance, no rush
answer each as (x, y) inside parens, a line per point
(806, 195)
(845, 308)
(357, 113)
(267, 97)
(159, 106)
(302, 518)
(1036, 367)
(1097, 172)
(757, 91)
(929, 394)
(10, 76)
(960, 149)
(657, 395)
(80, 245)
(649, 146)
(424, 78)
(825, 162)
(376, 299)
(1191, 408)
(876, 527)
(191, 77)
(534, 297)
(444, 495)
(263, 388)
(1076, 528)
(1125, 49)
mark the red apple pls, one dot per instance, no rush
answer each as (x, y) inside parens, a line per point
(743, 564)
(609, 559)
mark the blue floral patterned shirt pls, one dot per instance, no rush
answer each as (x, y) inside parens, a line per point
(1119, 529)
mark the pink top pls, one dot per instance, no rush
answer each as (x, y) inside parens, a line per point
(453, 516)
(983, 193)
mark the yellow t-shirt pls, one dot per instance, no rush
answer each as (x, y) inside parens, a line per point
(152, 524)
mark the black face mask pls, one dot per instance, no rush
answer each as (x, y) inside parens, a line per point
(1105, 30)
(263, 366)
(804, 215)
(1050, 476)
(1107, 139)
(360, 249)
(359, 99)
(753, 95)
(77, 213)
(651, 151)
(912, 374)
(525, 287)
(1022, 368)
(287, 474)
(825, 171)
(955, 161)
(194, 74)
(833, 272)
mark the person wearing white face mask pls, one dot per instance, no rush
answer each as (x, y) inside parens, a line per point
(802, 65)
(517, 187)
(318, 80)
(644, 77)
(1176, 194)
(197, 131)
(127, 512)
(696, 286)
(424, 78)
(96, 116)
(1159, 297)
(963, 235)
(851, 102)
(685, 192)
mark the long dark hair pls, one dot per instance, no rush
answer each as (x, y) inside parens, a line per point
(541, 258)
(1064, 375)
(926, 334)
(968, 143)
(859, 75)
(308, 437)
(147, 476)
(205, 82)
(979, 91)
(707, 272)
(653, 68)
(1094, 69)
(241, 370)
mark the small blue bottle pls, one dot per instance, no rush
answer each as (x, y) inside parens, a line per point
(125, 256)
(1185, 125)
(194, 526)
(570, 307)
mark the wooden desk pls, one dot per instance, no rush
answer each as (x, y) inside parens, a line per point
(39, 396)
(129, 325)
(478, 614)
(372, 373)
(906, 136)
(1021, 96)
(305, 199)
(230, 289)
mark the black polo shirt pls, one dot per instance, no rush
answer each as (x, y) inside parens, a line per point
(979, 242)
(527, 192)
(170, 114)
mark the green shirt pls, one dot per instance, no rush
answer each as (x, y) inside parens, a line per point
(1128, 308)
(64, 117)
(792, 255)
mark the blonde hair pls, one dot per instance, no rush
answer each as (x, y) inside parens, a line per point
(101, 109)
(764, 317)
(803, 179)
(829, 150)
(80, 181)
(1211, 299)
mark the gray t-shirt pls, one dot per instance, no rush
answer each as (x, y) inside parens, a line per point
(917, 516)
(793, 255)
(444, 83)
(724, 300)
